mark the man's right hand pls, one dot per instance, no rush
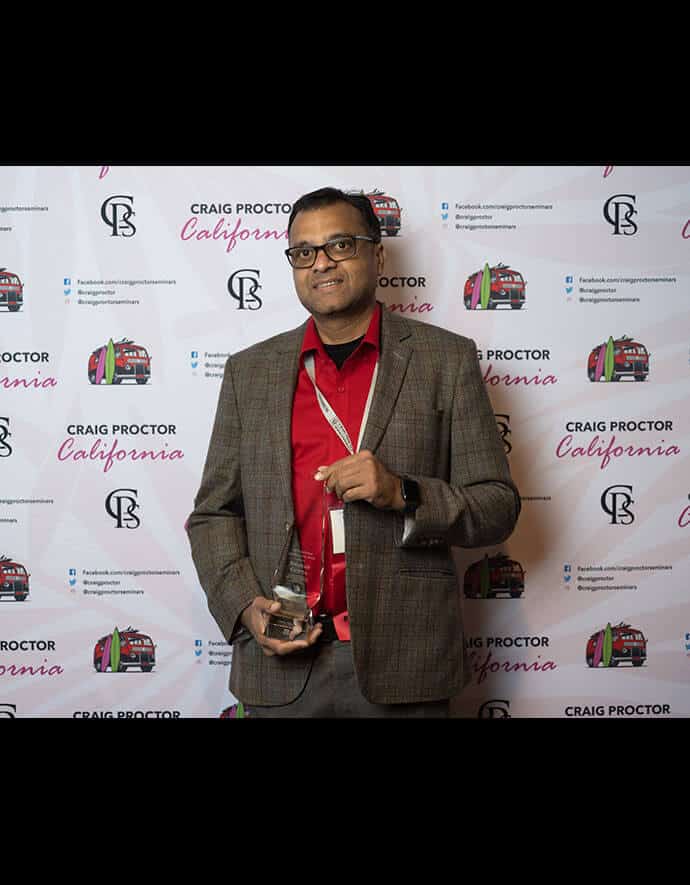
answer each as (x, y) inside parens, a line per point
(255, 618)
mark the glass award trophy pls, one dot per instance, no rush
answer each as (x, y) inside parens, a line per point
(289, 588)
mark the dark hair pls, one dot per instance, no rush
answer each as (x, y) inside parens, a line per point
(327, 196)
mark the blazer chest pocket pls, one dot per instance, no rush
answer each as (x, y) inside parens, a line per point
(417, 440)
(432, 572)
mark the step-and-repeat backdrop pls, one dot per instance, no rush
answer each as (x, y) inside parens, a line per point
(123, 290)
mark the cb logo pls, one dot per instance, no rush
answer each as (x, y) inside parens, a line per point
(618, 211)
(8, 711)
(494, 710)
(5, 447)
(616, 501)
(243, 286)
(121, 507)
(116, 212)
(503, 424)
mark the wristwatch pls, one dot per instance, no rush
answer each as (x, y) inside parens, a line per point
(410, 495)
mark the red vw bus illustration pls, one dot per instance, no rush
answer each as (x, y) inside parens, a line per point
(122, 360)
(235, 711)
(122, 650)
(490, 576)
(11, 290)
(613, 645)
(14, 579)
(505, 286)
(622, 358)
(387, 211)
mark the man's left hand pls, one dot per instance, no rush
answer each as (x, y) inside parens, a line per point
(362, 477)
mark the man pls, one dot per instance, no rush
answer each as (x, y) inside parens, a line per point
(361, 445)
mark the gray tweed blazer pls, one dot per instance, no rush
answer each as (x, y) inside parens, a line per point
(431, 420)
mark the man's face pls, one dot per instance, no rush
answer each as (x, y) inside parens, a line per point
(329, 287)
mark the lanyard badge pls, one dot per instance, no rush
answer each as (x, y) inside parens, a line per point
(333, 507)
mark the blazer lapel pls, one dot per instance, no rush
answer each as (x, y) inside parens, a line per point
(396, 351)
(281, 377)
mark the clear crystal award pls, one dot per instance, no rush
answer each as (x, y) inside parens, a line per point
(289, 588)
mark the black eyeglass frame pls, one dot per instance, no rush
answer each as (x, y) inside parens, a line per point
(324, 246)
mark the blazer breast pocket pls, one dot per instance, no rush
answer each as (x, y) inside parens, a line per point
(417, 440)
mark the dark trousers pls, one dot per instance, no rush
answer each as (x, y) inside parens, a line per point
(332, 692)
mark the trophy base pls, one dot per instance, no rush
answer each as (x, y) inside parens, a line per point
(283, 628)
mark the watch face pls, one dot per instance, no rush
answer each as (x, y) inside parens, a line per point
(410, 493)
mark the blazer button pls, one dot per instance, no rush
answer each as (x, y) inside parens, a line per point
(287, 526)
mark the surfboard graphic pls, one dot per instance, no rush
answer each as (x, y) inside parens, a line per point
(100, 368)
(607, 651)
(486, 286)
(476, 290)
(105, 660)
(115, 652)
(609, 360)
(599, 368)
(110, 362)
(598, 648)
(484, 578)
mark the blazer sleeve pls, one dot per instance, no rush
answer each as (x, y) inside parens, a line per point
(216, 527)
(480, 505)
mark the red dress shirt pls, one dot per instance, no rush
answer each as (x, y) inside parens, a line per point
(315, 443)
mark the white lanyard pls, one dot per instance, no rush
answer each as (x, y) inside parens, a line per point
(330, 414)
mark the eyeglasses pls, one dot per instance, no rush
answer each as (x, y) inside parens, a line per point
(337, 250)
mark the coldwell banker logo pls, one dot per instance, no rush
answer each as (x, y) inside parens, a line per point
(494, 710)
(243, 286)
(116, 212)
(503, 424)
(5, 447)
(121, 361)
(493, 286)
(613, 645)
(121, 504)
(617, 359)
(616, 501)
(619, 211)
(8, 711)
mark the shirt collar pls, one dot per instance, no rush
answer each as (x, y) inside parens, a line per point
(312, 340)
